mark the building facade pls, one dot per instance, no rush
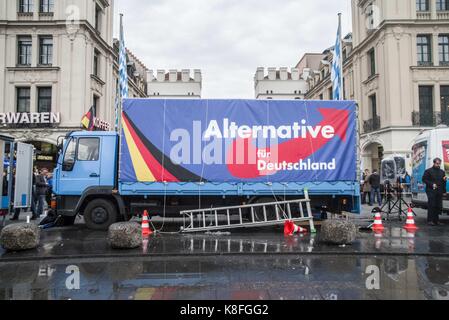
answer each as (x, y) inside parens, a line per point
(280, 84)
(397, 70)
(57, 60)
(174, 84)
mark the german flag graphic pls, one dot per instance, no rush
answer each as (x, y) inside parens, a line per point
(88, 120)
(151, 164)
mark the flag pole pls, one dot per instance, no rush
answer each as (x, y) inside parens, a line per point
(120, 104)
(341, 57)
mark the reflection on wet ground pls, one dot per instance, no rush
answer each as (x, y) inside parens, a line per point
(262, 264)
(221, 277)
(80, 242)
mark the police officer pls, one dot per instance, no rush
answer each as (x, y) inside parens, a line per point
(435, 181)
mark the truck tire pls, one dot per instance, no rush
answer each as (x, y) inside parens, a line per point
(100, 214)
(258, 212)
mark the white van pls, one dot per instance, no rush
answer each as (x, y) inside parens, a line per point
(427, 146)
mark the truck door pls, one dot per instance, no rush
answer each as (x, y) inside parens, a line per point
(81, 166)
(24, 175)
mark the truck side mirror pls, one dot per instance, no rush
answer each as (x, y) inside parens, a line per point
(68, 165)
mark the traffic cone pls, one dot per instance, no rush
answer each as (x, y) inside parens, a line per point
(146, 231)
(290, 228)
(378, 235)
(378, 226)
(410, 225)
(411, 239)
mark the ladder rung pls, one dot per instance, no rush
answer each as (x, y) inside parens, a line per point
(301, 210)
(216, 218)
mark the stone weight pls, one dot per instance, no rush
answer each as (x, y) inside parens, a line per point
(20, 236)
(125, 235)
(338, 232)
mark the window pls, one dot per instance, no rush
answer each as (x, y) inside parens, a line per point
(24, 50)
(444, 91)
(373, 106)
(424, 50)
(25, 6)
(443, 49)
(46, 6)
(44, 99)
(23, 100)
(372, 62)
(422, 5)
(70, 153)
(97, 63)
(442, 5)
(46, 50)
(321, 97)
(98, 13)
(426, 105)
(330, 93)
(88, 149)
(96, 105)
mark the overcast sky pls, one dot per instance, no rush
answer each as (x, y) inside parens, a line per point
(229, 39)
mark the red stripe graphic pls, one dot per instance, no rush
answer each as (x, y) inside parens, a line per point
(160, 174)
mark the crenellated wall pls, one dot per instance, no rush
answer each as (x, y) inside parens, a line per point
(279, 83)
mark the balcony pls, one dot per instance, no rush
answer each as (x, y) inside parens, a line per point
(371, 125)
(426, 119)
(28, 16)
(443, 15)
(423, 15)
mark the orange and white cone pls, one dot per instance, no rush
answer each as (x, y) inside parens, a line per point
(410, 225)
(378, 226)
(379, 236)
(290, 228)
(146, 231)
(411, 239)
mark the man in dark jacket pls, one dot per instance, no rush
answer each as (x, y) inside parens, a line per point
(374, 181)
(435, 181)
(41, 192)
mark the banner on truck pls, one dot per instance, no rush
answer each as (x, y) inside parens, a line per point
(419, 166)
(446, 157)
(238, 141)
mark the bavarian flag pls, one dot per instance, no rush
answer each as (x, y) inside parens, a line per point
(88, 119)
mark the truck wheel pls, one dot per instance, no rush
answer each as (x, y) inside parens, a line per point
(100, 214)
(258, 212)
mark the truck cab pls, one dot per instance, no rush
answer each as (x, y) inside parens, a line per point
(87, 169)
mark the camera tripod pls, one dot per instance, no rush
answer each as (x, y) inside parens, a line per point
(395, 206)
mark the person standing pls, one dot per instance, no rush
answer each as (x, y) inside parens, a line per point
(435, 181)
(408, 182)
(366, 188)
(374, 181)
(41, 192)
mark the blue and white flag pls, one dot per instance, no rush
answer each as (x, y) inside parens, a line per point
(337, 67)
(123, 77)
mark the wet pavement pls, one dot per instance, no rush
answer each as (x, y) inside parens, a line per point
(262, 264)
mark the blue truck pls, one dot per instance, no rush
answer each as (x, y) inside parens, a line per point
(174, 155)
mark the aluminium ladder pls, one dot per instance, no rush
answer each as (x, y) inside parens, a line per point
(281, 211)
